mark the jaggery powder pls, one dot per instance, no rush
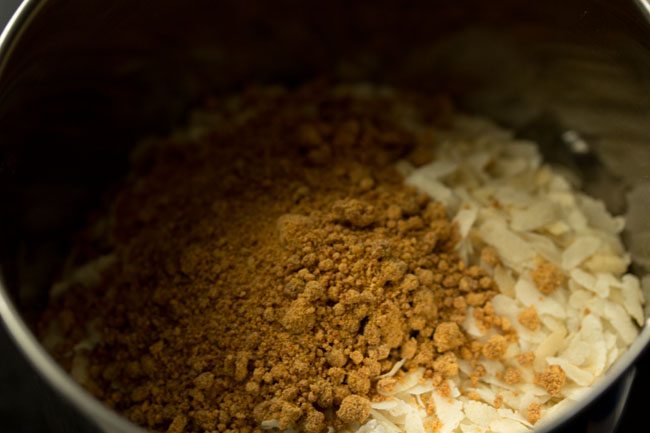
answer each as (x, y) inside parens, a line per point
(271, 268)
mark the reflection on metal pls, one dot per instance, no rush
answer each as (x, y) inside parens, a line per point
(644, 5)
(15, 26)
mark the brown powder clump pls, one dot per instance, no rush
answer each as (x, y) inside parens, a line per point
(552, 379)
(354, 409)
(529, 318)
(447, 365)
(448, 336)
(534, 412)
(272, 269)
(178, 424)
(547, 277)
(495, 347)
(490, 256)
(512, 376)
(526, 358)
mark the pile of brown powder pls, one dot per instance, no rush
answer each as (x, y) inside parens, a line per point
(272, 269)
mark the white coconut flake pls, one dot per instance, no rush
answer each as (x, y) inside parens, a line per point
(534, 217)
(620, 321)
(465, 219)
(504, 425)
(480, 413)
(438, 169)
(471, 428)
(552, 323)
(413, 423)
(509, 414)
(598, 216)
(576, 374)
(575, 392)
(384, 404)
(449, 412)
(422, 388)
(393, 370)
(551, 345)
(270, 424)
(633, 298)
(485, 393)
(610, 263)
(408, 382)
(579, 298)
(591, 329)
(511, 247)
(505, 306)
(543, 246)
(432, 188)
(589, 282)
(504, 281)
(576, 220)
(582, 248)
(612, 356)
(558, 228)
(385, 423)
(374, 426)
(527, 294)
(610, 340)
(597, 358)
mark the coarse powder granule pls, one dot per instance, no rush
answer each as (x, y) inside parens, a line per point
(270, 267)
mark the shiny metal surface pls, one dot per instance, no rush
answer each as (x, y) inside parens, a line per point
(81, 80)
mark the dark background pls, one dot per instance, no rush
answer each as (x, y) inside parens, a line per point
(24, 406)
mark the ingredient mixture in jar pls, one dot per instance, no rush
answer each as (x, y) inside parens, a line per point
(343, 258)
